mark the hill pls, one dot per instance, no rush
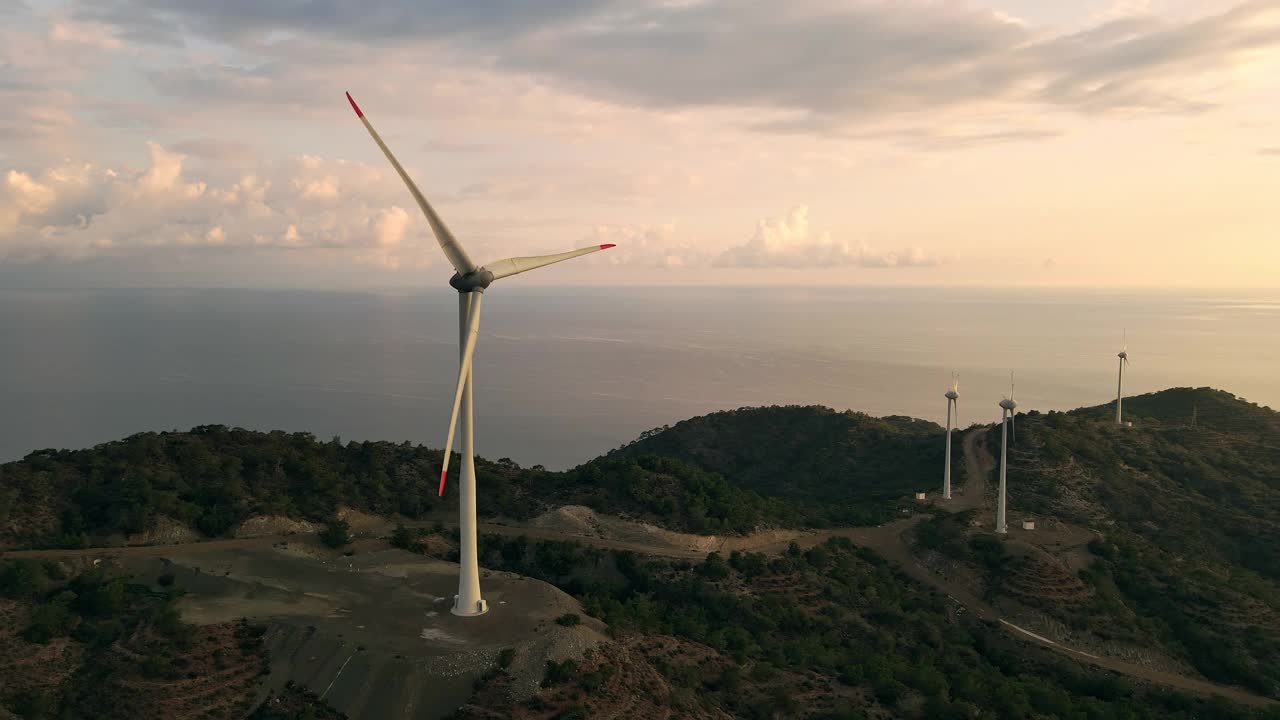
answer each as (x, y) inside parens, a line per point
(1186, 520)
(728, 472)
(813, 465)
(214, 477)
(831, 633)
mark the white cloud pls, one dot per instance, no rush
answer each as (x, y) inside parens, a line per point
(390, 226)
(78, 210)
(791, 243)
(645, 246)
(163, 178)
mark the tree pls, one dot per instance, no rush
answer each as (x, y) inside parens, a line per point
(714, 567)
(336, 533)
(403, 537)
(22, 578)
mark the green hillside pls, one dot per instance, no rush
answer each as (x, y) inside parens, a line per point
(827, 467)
(726, 472)
(831, 633)
(214, 477)
(1189, 518)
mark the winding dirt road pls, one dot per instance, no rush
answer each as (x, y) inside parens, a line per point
(887, 540)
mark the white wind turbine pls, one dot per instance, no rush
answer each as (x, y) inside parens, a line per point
(1007, 421)
(952, 396)
(470, 280)
(1124, 362)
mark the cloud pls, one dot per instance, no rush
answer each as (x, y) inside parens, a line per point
(390, 226)
(74, 211)
(1269, 151)
(823, 63)
(227, 154)
(645, 246)
(790, 243)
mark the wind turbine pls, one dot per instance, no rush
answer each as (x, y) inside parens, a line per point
(470, 280)
(1124, 362)
(1007, 420)
(952, 395)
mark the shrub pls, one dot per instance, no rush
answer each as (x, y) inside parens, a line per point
(336, 533)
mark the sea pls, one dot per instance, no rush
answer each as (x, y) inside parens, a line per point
(565, 374)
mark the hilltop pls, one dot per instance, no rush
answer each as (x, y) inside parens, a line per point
(1156, 541)
(751, 467)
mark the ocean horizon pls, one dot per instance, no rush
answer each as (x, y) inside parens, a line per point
(565, 374)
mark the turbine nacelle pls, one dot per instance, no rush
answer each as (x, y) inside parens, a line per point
(478, 279)
(1008, 403)
(952, 395)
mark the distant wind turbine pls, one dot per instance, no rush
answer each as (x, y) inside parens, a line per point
(470, 280)
(1124, 362)
(952, 395)
(1007, 421)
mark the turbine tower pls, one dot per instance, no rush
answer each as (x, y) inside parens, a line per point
(1124, 362)
(1007, 421)
(470, 280)
(952, 395)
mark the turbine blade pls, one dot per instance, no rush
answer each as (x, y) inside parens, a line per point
(464, 373)
(1013, 426)
(516, 265)
(452, 250)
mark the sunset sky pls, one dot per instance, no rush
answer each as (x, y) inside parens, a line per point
(1023, 142)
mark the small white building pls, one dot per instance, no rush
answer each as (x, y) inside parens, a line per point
(1028, 524)
(919, 496)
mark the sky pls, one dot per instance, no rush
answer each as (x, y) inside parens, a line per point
(716, 142)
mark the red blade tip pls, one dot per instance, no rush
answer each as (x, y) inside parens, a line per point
(606, 246)
(354, 106)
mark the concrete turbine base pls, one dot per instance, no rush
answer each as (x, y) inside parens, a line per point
(479, 608)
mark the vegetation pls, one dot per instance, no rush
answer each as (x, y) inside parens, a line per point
(121, 644)
(215, 477)
(729, 472)
(834, 614)
(336, 533)
(815, 465)
(295, 703)
(404, 538)
(1189, 517)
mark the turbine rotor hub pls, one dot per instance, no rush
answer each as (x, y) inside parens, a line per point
(1008, 404)
(477, 279)
(952, 395)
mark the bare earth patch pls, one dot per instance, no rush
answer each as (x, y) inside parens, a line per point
(585, 522)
